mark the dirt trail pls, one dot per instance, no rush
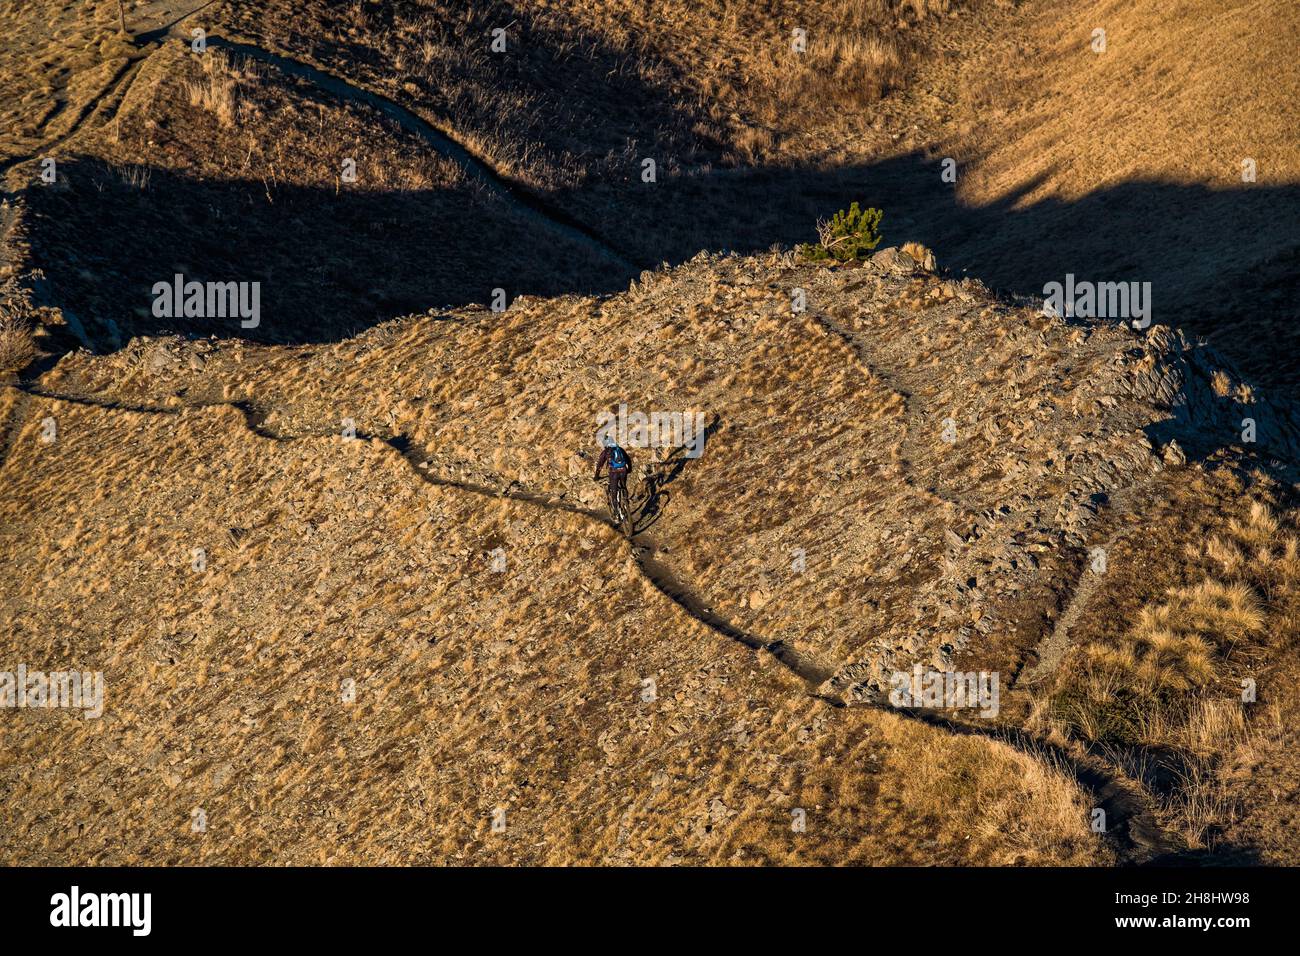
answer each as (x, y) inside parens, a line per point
(1132, 828)
(642, 546)
(522, 201)
(526, 203)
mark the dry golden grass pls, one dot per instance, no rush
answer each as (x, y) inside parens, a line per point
(56, 61)
(285, 166)
(514, 398)
(705, 82)
(509, 400)
(330, 561)
(1174, 680)
(17, 342)
(216, 92)
(844, 67)
(17, 347)
(943, 798)
(997, 788)
(476, 692)
(1178, 131)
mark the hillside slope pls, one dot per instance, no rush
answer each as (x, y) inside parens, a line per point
(328, 559)
(353, 592)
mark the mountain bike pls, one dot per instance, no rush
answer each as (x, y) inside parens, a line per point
(616, 496)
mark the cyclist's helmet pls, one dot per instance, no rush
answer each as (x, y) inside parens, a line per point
(608, 442)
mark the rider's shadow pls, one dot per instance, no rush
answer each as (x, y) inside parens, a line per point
(669, 470)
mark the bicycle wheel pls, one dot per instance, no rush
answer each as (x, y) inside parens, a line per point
(624, 510)
(611, 501)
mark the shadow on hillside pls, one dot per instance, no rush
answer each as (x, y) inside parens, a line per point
(1222, 264)
(328, 264)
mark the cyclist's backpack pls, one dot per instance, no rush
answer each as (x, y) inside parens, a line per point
(617, 457)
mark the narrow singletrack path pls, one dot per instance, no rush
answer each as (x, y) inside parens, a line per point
(523, 201)
(1132, 828)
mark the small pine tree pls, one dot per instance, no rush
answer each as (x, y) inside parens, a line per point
(848, 236)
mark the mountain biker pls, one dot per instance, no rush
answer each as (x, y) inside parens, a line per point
(619, 462)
